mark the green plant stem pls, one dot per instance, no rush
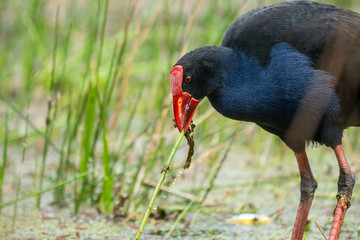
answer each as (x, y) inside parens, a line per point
(18, 181)
(157, 189)
(102, 34)
(181, 215)
(86, 143)
(106, 195)
(59, 193)
(49, 118)
(4, 159)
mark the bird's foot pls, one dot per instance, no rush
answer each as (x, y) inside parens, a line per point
(343, 203)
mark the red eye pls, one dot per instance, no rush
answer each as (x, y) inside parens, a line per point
(188, 79)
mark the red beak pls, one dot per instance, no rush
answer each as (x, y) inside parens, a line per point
(184, 104)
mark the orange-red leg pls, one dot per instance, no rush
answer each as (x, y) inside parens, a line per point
(308, 186)
(346, 184)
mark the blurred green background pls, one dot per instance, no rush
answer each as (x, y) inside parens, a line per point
(86, 126)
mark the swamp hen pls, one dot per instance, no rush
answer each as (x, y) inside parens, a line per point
(293, 69)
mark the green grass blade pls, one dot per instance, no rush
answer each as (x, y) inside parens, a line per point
(86, 143)
(60, 173)
(102, 34)
(106, 194)
(48, 115)
(4, 157)
(24, 147)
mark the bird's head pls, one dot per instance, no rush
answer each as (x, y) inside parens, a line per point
(192, 78)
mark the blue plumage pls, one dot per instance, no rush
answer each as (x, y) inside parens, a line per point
(271, 96)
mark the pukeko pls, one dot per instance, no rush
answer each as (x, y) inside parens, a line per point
(293, 69)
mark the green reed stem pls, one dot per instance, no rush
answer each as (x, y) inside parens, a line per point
(4, 160)
(48, 118)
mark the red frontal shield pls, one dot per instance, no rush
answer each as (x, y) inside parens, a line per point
(184, 105)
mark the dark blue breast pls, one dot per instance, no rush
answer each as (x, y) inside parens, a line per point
(273, 95)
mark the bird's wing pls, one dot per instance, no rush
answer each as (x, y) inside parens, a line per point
(328, 35)
(308, 26)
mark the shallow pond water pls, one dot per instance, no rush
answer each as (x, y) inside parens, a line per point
(272, 191)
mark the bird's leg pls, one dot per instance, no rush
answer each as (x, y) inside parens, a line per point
(346, 184)
(308, 186)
